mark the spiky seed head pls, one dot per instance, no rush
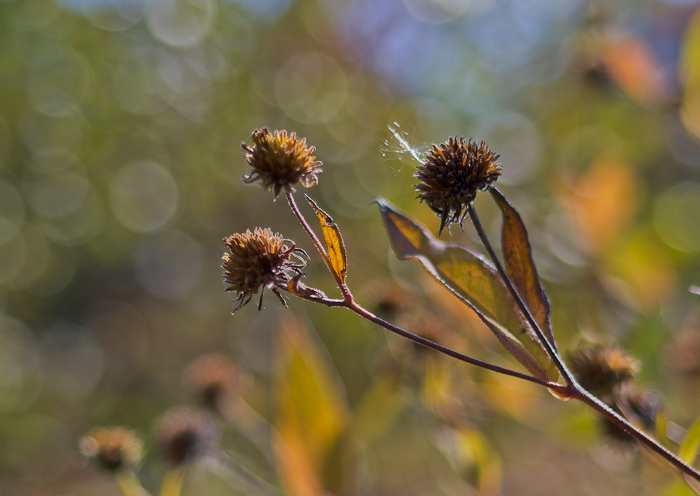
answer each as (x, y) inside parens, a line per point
(185, 435)
(601, 369)
(280, 161)
(113, 448)
(258, 260)
(212, 377)
(451, 175)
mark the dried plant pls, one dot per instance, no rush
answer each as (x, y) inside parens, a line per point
(506, 293)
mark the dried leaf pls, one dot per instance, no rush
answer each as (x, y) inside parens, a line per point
(688, 450)
(520, 266)
(474, 280)
(334, 241)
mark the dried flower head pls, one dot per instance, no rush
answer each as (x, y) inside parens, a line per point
(113, 448)
(260, 259)
(280, 161)
(185, 435)
(601, 369)
(451, 175)
(212, 377)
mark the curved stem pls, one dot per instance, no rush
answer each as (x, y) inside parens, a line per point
(449, 352)
(574, 389)
(347, 296)
(553, 354)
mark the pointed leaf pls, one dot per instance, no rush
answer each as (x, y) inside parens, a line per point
(334, 241)
(520, 266)
(311, 412)
(474, 280)
(688, 450)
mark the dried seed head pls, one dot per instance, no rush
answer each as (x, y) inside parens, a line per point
(260, 259)
(113, 448)
(185, 435)
(280, 161)
(601, 369)
(451, 175)
(212, 377)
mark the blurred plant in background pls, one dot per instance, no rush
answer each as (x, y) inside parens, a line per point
(120, 166)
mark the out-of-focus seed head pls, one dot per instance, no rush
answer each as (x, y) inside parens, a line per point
(280, 161)
(185, 435)
(451, 175)
(210, 378)
(639, 406)
(260, 259)
(113, 448)
(601, 369)
(389, 300)
(683, 354)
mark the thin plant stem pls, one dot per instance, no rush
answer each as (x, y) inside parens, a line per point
(326, 259)
(553, 354)
(583, 395)
(236, 412)
(366, 314)
(575, 390)
(450, 352)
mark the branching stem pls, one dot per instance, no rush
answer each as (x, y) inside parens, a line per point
(347, 296)
(574, 389)
(553, 354)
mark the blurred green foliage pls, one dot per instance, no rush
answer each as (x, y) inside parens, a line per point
(120, 165)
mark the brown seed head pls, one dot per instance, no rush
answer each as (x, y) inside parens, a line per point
(260, 259)
(601, 369)
(212, 377)
(185, 435)
(113, 448)
(451, 175)
(280, 161)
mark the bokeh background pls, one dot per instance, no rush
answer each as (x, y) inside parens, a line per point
(120, 164)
